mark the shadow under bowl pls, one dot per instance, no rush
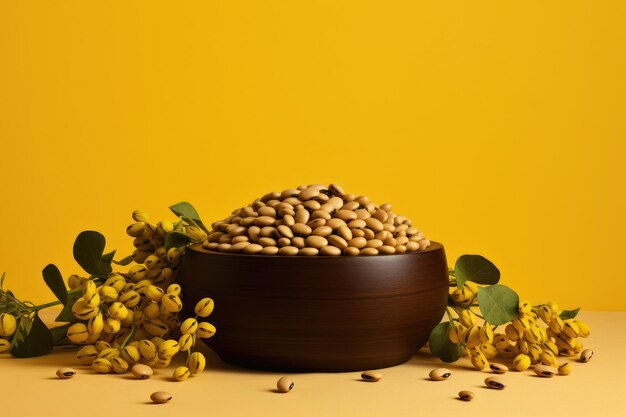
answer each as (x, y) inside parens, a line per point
(317, 313)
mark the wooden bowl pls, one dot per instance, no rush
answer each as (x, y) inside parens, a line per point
(318, 313)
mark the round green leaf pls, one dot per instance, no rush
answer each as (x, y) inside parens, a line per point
(440, 344)
(498, 304)
(477, 269)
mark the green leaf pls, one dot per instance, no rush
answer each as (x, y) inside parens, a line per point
(124, 261)
(498, 304)
(54, 280)
(477, 269)
(440, 344)
(105, 263)
(569, 314)
(186, 210)
(88, 250)
(66, 314)
(59, 332)
(33, 339)
(176, 240)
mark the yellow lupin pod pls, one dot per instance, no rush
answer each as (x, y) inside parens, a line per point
(501, 342)
(205, 330)
(168, 348)
(556, 324)
(457, 333)
(472, 337)
(140, 216)
(522, 346)
(119, 365)
(101, 366)
(583, 328)
(533, 335)
(525, 307)
(154, 293)
(87, 354)
(138, 317)
(130, 354)
(489, 350)
(156, 327)
(570, 328)
(74, 281)
(118, 311)
(197, 362)
(116, 281)
(100, 345)
(467, 318)
(77, 333)
(8, 324)
(89, 289)
(521, 362)
(162, 362)
(109, 353)
(173, 254)
(181, 373)
(108, 294)
(129, 319)
(548, 358)
(174, 289)
(563, 341)
(171, 303)
(82, 311)
(111, 325)
(578, 346)
(147, 349)
(486, 334)
(479, 361)
(204, 307)
(551, 346)
(130, 298)
(137, 272)
(511, 332)
(93, 300)
(545, 313)
(185, 342)
(534, 351)
(5, 345)
(151, 311)
(190, 325)
(565, 369)
(95, 325)
(554, 307)
(136, 229)
(521, 323)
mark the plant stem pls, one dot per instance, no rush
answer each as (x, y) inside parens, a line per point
(50, 304)
(130, 336)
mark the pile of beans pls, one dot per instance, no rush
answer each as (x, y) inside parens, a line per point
(315, 220)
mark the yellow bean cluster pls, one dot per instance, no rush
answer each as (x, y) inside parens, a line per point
(538, 336)
(315, 220)
(132, 317)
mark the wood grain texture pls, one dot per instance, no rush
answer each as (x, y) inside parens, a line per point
(318, 314)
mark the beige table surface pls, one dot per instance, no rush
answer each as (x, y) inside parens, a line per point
(29, 387)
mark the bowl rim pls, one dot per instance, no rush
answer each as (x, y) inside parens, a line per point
(197, 247)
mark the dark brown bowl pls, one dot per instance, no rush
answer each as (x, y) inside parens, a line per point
(317, 313)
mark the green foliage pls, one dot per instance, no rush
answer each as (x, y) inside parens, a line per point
(498, 304)
(477, 269)
(440, 344)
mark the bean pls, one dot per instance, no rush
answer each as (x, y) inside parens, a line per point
(285, 384)
(374, 243)
(388, 250)
(565, 369)
(362, 214)
(351, 251)
(267, 211)
(267, 241)
(238, 247)
(320, 214)
(330, 251)
(310, 251)
(312, 205)
(368, 251)
(439, 374)
(345, 215)
(335, 223)
(357, 242)
(336, 190)
(301, 229)
(357, 224)
(160, 397)
(495, 383)
(141, 371)
(374, 224)
(351, 206)
(337, 241)
(288, 220)
(288, 250)
(298, 242)
(498, 368)
(466, 395)
(345, 232)
(66, 373)
(285, 231)
(322, 231)
(302, 216)
(371, 376)
(269, 250)
(586, 355)
(314, 224)
(544, 371)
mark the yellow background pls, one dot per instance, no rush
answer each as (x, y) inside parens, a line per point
(498, 127)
